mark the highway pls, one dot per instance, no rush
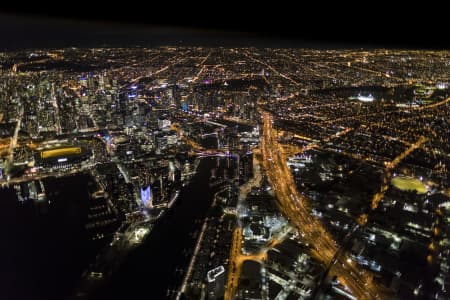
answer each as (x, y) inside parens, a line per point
(234, 269)
(296, 207)
(13, 143)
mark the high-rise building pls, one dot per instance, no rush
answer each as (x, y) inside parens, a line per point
(216, 283)
(83, 81)
(172, 138)
(146, 196)
(176, 95)
(163, 123)
(245, 166)
(161, 142)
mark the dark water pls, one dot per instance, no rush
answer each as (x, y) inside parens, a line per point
(152, 269)
(209, 142)
(43, 255)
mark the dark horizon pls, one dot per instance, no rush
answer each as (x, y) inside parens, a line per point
(25, 30)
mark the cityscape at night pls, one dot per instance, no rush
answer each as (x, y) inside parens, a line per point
(182, 172)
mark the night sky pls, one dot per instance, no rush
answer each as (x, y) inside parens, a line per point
(279, 26)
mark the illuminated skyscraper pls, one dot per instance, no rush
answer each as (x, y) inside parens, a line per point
(147, 196)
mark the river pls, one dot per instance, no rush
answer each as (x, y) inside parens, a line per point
(158, 265)
(44, 254)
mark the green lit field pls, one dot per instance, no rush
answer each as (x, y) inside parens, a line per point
(409, 184)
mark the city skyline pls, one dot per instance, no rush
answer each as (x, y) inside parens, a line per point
(226, 172)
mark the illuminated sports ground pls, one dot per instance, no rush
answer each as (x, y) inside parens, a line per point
(60, 152)
(409, 184)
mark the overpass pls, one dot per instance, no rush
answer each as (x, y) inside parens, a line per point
(212, 153)
(215, 123)
(209, 134)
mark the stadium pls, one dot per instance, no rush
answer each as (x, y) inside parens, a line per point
(62, 155)
(404, 183)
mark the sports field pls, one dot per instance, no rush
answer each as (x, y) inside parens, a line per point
(409, 184)
(60, 152)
